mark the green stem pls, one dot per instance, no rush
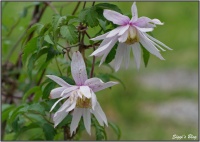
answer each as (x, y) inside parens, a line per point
(58, 66)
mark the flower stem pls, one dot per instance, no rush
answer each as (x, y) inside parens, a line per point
(93, 64)
(75, 9)
(58, 66)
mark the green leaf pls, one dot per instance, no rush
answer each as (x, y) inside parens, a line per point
(6, 109)
(29, 92)
(36, 107)
(30, 65)
(13, 114)
(49, 131)
(57, 21)
(111, 54)
(146, 55)
(108, 6)
(89, 16)
(116, 129)
(69, 33)
(100, 130)
(47, 89)
(29, 48)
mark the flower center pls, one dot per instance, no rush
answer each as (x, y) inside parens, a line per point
(83, 102)
(132, 36)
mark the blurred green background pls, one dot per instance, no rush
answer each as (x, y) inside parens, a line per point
(158, 101)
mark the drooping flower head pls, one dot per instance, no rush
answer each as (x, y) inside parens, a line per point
(130, 33)
(80, 97)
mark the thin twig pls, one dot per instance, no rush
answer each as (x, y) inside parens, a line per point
(84, 4)
(93, 3)
(52, 7)
(76, 8)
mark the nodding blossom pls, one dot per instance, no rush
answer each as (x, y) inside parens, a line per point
(79, 98)
(130, 33)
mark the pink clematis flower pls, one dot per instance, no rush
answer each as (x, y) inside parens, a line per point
(130, 33)
(80, 97)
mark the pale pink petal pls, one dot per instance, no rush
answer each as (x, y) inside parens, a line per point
(68, 90)
(64, 106)
(149, 46)
(56, 103)
(134, 12)
(103, 46)
(142, 22)
(71, 107)
(75, 119)
(144, 29)
(155, 40)
(94, 100)
(99, 110)
(157, 22)
(87, 119)
(97, 84)
(127, 56)
(59, 81)
(100, 37)
(116, 17)
(137, 54)
(56, 93)
(119, 55)
(98, 117)
(123, 37)
(78, 68)
(85, 90)
(116, 31)
(106, 52)
(123, 30)
(59, 117)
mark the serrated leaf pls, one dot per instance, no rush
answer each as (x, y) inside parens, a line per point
(111, 54)
(69, 32)
(116, 129)
(49, 131)
(89, 16)
(57, 20)
(146, 55)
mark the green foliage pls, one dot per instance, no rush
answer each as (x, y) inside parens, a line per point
(89, 16)
(146, 55)
(111, 54)
(69, 32)
(35, 90)
(100, 130)
(116, 129)
(49, 131)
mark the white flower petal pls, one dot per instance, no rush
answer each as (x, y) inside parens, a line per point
(56, 93)
(149, 46)
(123, 37)
(157, 22)
(134, 12)
(98, 117)
(56, 103)
(75, 119)
(85, 90)
(68, 90)
(119, 55)
(87, 120)
(137, 54)
(99, 110)
(78, 68)
(144, 29)
(155, 40)
(116, 17)
(97, 84)
(100, 37)
(115, 31)
(71, 107)
(123, 30)
(127, 56)
(64, 106)
(94, 100)
(104, 45)
(59, 81)
(59, 117)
